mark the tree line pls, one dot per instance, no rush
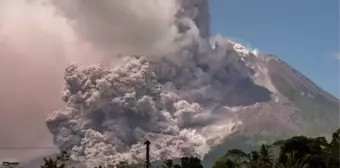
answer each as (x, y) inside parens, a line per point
(294, 152)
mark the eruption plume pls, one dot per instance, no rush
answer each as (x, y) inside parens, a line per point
(170, 101)
(144, 71)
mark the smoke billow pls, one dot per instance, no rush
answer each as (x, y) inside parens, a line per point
(175, 101)
(121, 95)
(122, 27)
(110, 112)
(37, 42)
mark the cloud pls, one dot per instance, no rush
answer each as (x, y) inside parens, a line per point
(337, 56)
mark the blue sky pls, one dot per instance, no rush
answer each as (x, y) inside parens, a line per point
(304, 33)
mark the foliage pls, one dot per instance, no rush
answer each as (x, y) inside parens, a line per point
(295, 152)
(185, 162)
(59, 162)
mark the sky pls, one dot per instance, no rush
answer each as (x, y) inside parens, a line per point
(303, 33)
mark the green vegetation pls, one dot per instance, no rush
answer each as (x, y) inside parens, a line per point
(294, 152)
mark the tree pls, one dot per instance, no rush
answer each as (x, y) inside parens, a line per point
(254, 159)
(332, 152)
(191, 162)
(310, 149)
(186, 162)
(123, 164)
(265, 158)
(169, 163)
(10, 164)
(59, 162)
(293, 162)
(234, 158)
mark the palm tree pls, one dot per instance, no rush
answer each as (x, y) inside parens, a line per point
(260, 159)
(265, 159)
(254, 159)
(292, 161)
(191, 162)
(234, 158)
(169, 163)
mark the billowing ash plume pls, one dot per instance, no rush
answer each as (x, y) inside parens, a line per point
(175, 102)
(110, 113)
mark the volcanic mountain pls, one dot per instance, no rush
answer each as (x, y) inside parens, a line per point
(277, 102)
(206, 93)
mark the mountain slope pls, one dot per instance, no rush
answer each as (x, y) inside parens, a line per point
(297, 107)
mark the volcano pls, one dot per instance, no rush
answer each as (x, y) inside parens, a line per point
(206, 95)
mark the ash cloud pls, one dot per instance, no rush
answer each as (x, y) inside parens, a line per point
(32, 60)
(113, 99)
(37, 42)
(122, 27)
(175, 101)
(110, 112)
